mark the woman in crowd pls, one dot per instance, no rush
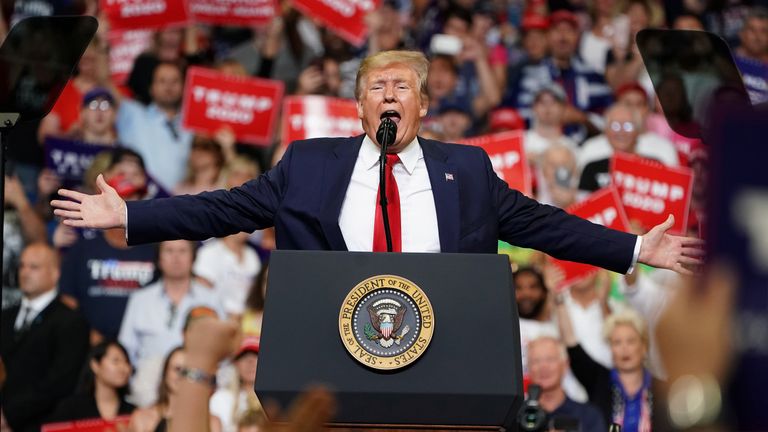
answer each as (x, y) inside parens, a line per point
(254, 304)
(204, 167)
(103, 386)
(158, 417)
(623, 393)
(233, 402)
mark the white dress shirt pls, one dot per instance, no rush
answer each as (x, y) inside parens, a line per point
(418, 217)
(35, 306)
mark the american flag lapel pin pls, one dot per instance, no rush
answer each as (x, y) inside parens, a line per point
(448, 177)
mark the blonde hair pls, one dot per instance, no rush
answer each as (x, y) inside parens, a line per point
(415, 60)
(549, 338)
(628, 317)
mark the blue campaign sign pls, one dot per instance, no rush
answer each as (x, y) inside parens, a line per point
(69, 158)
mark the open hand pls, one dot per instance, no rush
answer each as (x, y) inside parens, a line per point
(101, 211)
(663, 250)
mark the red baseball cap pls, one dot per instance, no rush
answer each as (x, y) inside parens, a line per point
(534, 21)
(504, 119)
(249, 344)
(630, 87)
(562, 15)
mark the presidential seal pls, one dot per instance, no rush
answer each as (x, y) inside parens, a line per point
(386, 322)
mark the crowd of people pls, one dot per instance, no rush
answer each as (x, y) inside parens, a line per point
(93, 328)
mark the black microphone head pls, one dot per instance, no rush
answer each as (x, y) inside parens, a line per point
(387, 132)
(534, 392)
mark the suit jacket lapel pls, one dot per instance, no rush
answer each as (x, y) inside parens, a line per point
(444, 179)
(337, 173)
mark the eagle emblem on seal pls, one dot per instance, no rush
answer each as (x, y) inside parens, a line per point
(386, 320)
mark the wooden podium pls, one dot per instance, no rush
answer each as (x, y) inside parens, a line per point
(468, 377)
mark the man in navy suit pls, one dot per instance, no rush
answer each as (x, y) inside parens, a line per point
(323, 195)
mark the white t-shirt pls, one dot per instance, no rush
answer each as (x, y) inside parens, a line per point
(231, 277)
(588, 326)
(535, 144)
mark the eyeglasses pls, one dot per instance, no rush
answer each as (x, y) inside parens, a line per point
(622, 126)
(100, 105)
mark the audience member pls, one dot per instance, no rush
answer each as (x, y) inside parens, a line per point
(230, 266)
(548, 114)
(454, 122)
(92, 72)
(231, 403)
(624, 393)
(477, 82)
(254, 304)
(623, 63)
(547, 364)
(556, 177)
(98, 113)
(586, 91)
(608, 30)
(160, 416)
(43, 343)
(21, 226)
(621, 134)
(752, 54)
(102, 389)
(442, 81)
(586, 302)
(155, 315)
(204, 167)
(155, 130)
(101, 271)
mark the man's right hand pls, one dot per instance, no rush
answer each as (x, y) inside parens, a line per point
(101, 211)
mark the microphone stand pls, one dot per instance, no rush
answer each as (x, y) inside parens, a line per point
(383, 192)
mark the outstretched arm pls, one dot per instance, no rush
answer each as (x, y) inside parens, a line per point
(663, 250)
(101, 211)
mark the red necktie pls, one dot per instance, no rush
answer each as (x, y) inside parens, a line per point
(393, 210)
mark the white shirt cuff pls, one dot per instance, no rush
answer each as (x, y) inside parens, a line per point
(635, 254)
(126, 224)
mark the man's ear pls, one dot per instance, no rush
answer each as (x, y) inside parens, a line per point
(424, 106)
(359, 108)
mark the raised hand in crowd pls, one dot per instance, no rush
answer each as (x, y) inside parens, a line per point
(32, 227)
(667, 251)
(104, 210)
(209, 341)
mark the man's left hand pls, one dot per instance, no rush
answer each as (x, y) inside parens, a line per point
(663, 250)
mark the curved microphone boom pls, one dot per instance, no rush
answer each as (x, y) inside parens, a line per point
(385, 135)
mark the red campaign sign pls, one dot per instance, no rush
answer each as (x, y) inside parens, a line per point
(124, 47)
(90, 425)
(507, 157)
(319, 116)
(243, 13)
(651, 191)
(602, 207)
(346, 18)
(144, 14)
(249, 106)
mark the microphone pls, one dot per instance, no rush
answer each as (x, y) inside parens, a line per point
(385, 135)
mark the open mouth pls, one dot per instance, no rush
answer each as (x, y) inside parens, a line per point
(391, 114)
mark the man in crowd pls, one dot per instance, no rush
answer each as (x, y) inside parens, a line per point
(43, 344)
(549, 107)
(155, 131)
(97, 117)
(531, 295)
(154, 317)
(452, 199)
(547, 364)
(623, 126)
(100, 272)
(587, 93)
(752, 55)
